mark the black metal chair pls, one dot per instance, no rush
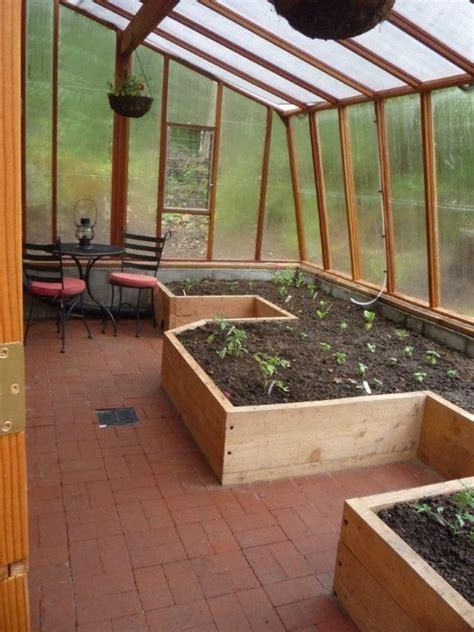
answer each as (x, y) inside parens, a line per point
(142, 252)
(44, 280)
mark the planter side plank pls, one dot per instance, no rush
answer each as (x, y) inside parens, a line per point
(447, 438)
(427, 599)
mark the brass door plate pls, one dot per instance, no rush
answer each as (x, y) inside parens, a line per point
(12, 388)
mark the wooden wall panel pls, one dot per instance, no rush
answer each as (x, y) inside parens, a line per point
(14, 604)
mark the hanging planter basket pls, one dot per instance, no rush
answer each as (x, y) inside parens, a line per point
(131, 106)
(334, 19)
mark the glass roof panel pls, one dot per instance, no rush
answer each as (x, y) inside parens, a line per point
(99, 12)
(450, 21)
(263, 14)
(257, 45)
(407, 53)
(188, 36)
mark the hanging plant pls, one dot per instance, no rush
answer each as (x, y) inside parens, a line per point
(126, 97)
(337, 19)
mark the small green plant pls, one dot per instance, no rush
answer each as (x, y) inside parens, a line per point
(188, 284)
(452, 373)
(234, 343)
(341, 357)
(269, 366)
(408, 351)
(289, 328)
(303, 335)
(401, 333)
(324, 311)
(432, 357)
(298, 279)
(369, 319)
(419, 376)
(283, 290)
(131, 86)
(361, 368)
(376, 383)
(312, 289)
(233, 285)
(463, 516)
(392, 361)
(371, 347)
(325, 346)
(343, 326)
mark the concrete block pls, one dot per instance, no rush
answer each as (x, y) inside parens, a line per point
(470, 348)
(392, 313)
(415, 324)
(447, 337)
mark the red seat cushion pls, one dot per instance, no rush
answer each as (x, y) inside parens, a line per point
(72, 287)
(125, 279)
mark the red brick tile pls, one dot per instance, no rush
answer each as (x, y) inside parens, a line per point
(94, 530)
(101, 626)
(342, 623)
(291, 523)
(250, 500)
(291, 590)
(121, 484)
(259, 611)
(132, 517)
(135, 623)
(228, 614)
(246, 522)
(133, 495)
(317, 543)
(323, 561)
(157, 546)
(153, 587)
(264, 565)
(100, 494)
(309, 612)
(191, 500)
(104, 584)
(107, 606)
(291, 561)
(178, 618)
(196, 514)
(85, 559)
(195, 540)
(227, 503)
(157, 513)
(220, 536)
(114, 554)
(183, 582)
(326, 580)
(231, 581)
(257, 537)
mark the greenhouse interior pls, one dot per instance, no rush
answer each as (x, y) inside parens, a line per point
(236, 315)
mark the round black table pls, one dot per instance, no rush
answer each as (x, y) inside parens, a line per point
(92, 254)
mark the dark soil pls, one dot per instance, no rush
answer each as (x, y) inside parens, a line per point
(314, 374)
(450, 553)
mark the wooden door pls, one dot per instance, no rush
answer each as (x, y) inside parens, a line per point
(13, 507)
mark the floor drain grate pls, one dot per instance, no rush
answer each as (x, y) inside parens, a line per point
(117, 416)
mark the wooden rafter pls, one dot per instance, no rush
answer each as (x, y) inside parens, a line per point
(430, 41)
(288, 47)
(142, 24)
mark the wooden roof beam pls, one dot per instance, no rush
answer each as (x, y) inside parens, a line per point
(142, 24)
(430, 41)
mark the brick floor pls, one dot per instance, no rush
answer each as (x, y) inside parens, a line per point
(129, 530)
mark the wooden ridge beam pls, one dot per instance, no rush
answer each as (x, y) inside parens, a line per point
(412, 29)
(235, 17)
(143, 23)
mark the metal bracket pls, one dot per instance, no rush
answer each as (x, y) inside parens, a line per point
(12, 388)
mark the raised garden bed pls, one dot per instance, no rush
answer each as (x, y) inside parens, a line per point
(382, 582)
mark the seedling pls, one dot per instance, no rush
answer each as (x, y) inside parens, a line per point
(303, 335)
(283, 290)
(432, 357)
(269, 366)
(377, 383)
(369, 319)
(401, 333)
(341, 357)
(392, 361)
(408, 351)
(361, 368)
(371, 347)
(312, 289)
(234, 343)
(298, 279)
(188, 285)
(343, 326)
(325, 346)
(322, 313)
(289, 328)
(452, 373)
(419, 376)
(234, 285)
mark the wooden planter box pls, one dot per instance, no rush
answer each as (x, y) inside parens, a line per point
(380, 580)
(248, 443)
(176, 311)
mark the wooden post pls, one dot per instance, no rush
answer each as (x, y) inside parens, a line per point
(118, 218)
(263, 184)
(431, 199)
(214, 170)
(349, 193)
(386, 190)
(13, 507)
(320, 189)
(163, 147)
(295, 181)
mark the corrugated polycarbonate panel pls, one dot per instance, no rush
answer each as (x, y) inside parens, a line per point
(451, 22)
(99, 12)
(264, 15)
(259, 46)
(407, 53)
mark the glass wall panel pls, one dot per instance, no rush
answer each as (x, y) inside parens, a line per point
(453, 113)
(408, 195)
(191, 97)
(239, 177)
(86, 64)
(280, 239)
(38, 112)
(309, 201)
(334, 185)
(189, 235)
(144, 146)
(365, 162)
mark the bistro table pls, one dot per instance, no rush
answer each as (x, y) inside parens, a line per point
(92, 254)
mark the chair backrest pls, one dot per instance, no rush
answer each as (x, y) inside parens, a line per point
(143, 252)
(43, 262)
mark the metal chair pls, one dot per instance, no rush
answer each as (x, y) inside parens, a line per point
(142, 252)
(44, 280)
